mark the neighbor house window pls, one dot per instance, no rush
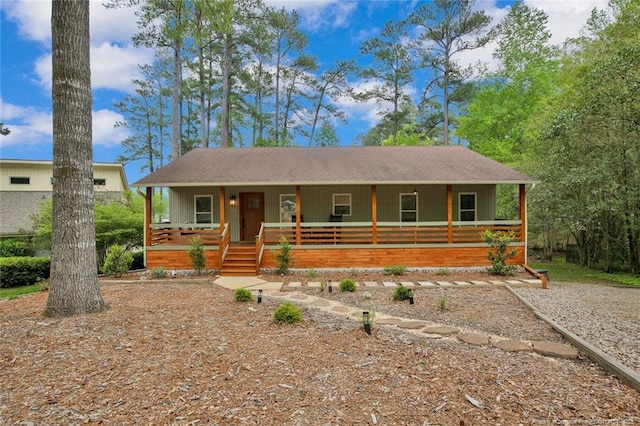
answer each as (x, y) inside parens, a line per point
(99, 182)
(287, 207)
(342, 204)
(467, 206)
(204, 208)
(19, 180)
(409, 207)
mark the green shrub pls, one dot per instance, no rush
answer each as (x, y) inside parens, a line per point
(21, 271)
(442, 302)
(118, 260)
(158, 272)
(284, 257)
(242, 295)
(347, 285)
(311, 273)
(402, 293)
(395, 270)
(443, 272)
(14, 248)
(499, 252)
(287, 313)
(138, 260)
(196, 253)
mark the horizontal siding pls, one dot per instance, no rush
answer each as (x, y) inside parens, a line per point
(178, 259)
(40, 178)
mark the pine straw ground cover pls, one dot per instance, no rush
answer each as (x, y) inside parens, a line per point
(183, 352)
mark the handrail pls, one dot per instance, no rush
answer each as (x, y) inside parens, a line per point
(225, 242)
(259, 246)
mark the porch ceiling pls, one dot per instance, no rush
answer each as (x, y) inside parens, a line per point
(332, 166)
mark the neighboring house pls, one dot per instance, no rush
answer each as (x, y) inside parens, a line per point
(24, 184)
(358, 207)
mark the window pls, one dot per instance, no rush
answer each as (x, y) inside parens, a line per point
(19, 180)
(467, 206)
(287, 207)
(204, 208)
(342, 204)
(99, 182)
(409, 207)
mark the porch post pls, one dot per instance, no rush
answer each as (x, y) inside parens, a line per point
(523, 213)
(449, 214)
(298, 214)
(221, 200)
(374, 214)
(147, 216)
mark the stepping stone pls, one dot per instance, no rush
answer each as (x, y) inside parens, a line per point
(462, 283)
(514, 282)
(474, 339)
(389, 284)
(426, 283)
(321, 302)
(497, 282)
(556, 350)
(512, 346)
(407, 284)
(388, 321)
(533, 281)
(341, 309)
(412, 325)
(313, 284)
(442, 330)
(370, 284)
(299, 296)
(295, 284)
(480, 282)
(444, 283)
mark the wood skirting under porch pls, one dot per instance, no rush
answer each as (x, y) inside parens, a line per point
(343, 257)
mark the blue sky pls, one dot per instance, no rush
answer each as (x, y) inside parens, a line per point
(335, 28)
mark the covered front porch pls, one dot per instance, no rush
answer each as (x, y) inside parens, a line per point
(333, 244)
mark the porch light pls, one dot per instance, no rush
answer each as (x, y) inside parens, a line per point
(366, 321)
(415, 191)
(232, 200)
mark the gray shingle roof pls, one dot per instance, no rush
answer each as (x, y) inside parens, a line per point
(338, 165)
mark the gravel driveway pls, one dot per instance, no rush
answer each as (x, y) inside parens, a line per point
(606, 316)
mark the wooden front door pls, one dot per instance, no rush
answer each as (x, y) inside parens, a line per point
(251, 214)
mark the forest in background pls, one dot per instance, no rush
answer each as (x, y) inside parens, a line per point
(236, 73)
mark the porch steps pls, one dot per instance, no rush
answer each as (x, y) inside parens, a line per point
(240, 261)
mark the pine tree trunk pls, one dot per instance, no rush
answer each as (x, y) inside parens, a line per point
(74, 287)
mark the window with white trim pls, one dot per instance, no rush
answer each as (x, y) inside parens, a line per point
(467, 206)
(341, 204)
(203, 208)
(19, 180)
(409, 207)
(287, 207)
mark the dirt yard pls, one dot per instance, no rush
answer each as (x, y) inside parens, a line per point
(184, 352)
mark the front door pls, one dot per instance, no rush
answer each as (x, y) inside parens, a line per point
(251, 214)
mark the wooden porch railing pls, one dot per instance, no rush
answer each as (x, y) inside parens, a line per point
(224, 243)
(331, 233)
(259, 247)
(183, 233)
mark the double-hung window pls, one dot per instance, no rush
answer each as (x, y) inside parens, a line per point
(203, 208)
(409, 207)
(467, 206)
(342, 204)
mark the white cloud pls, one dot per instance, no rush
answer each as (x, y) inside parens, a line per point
(104, 133)
(112, 66)
(32, 127)
(33, 18)
(319, 14)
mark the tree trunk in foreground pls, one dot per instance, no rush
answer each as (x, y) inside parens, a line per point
(74, 287)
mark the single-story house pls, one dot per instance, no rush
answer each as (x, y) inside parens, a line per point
(25, 184)
(340, 207)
